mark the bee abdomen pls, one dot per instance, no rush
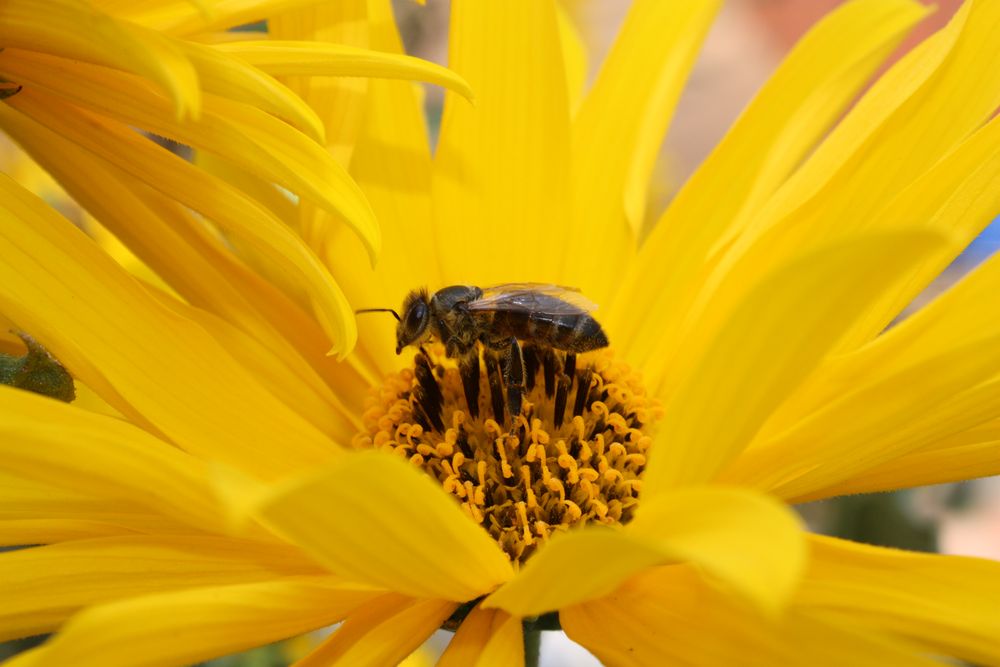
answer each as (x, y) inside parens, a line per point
(579, 333)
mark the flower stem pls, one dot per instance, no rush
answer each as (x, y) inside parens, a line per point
(532, 646)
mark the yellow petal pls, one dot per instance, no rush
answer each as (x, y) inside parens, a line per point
(58, 444)
(945, 463)
(175, 243)
(162, 371)
(227, 76)
(383, 632)
(742, 371)
(252, 139)
(23, 532)
(792, 112)
(287, 377)
(574, 52)
(392, 164)
(500, 166)
(372, 517)
(339, 102)
(73, 29)
(560, 575)
(185, 627)
(618, 131)
(182, 17)
(29, 500)
(278, 57)
(669, 617)
(893, 417)
(946, 604)
(43, 586)
(750, 543)
(486, 638)
(932, 99)
(220, 203)
(957, 194)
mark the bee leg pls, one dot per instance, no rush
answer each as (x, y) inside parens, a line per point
(496, 387)
(514, 378)
(468, 369)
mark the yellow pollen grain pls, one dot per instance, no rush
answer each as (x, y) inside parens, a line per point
(524, 479)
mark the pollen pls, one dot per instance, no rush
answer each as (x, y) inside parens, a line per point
(575, 454)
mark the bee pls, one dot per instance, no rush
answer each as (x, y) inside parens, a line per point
(465, 318)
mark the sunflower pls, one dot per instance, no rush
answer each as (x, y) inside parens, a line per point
(245, 487)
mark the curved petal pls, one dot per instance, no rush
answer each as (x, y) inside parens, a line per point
(32, 501)
(749, 542)
(372, 517)
(486, 638)
(75, 30)
(173, 241)
(792, 112)
(618, 131)
(43, 586)
(229, 77)
(501, 164)
(248, 137)
(164, 372)
(183, 17)
(928, 102)
(81, 451)
(383, 632)
(670, 617)
(742, 370)
(965, 313)
(947, 604)
(933, 399)
(220, 203)
(188, 626)
(280, 57)
(946, 462)
(392, 164)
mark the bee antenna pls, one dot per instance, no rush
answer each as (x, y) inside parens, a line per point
(378, 310)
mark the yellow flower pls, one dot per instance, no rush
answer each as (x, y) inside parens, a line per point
(223, 509)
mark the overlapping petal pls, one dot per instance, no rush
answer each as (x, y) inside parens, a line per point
(140, 357)
(394, 528)
(383, 632)
(80, 451)
(668, 616)
(617, 132)
(486, 638)
(748, 542)
(43, 586)
(742, 370)
(788, 117)
(947, 604)
(225, 206)
(74, 29)
(187, 626)
(279, 57)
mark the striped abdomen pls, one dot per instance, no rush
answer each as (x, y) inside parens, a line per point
(572, 332)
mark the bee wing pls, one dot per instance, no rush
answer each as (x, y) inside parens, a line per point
(536, 297)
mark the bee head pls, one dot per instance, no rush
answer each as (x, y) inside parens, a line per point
(413, 325)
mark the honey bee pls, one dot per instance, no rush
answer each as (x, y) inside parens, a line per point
(497, 319)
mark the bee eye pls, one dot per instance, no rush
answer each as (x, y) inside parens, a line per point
(415, 318)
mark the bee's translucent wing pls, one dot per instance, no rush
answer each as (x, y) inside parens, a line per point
(536, 297)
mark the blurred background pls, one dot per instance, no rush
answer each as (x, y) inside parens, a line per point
(746, 44)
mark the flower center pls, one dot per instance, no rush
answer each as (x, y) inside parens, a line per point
(575, 455)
